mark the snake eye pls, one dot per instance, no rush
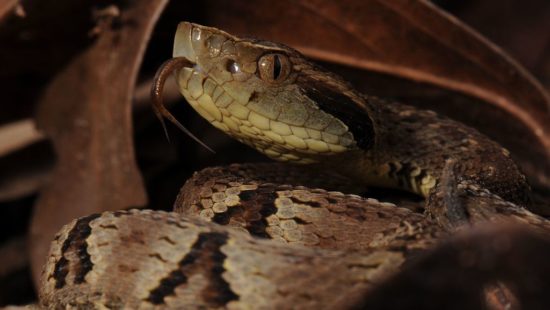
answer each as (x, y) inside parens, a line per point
(274, 68)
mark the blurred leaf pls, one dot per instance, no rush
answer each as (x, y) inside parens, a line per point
(86, 112)
(6, 7)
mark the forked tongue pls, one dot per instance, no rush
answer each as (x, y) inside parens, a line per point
(160, 110)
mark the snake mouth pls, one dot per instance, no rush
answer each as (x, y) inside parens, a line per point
(189, 35)
(183, 46)
(186, 34)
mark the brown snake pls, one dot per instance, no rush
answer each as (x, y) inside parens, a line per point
(339, 246)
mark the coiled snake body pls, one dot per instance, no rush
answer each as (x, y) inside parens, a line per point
(270, 97)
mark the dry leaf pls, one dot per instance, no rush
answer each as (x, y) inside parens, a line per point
(86, 112)
(6, 7)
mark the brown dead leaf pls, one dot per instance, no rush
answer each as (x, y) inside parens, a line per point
(6, 7)
(25, 165)
(86, 112)
(415, 41)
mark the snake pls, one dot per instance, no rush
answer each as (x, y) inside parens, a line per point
(284, 235)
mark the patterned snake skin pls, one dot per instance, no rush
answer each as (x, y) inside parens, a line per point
(241, 237)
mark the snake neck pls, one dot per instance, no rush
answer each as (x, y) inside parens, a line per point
(412, 147)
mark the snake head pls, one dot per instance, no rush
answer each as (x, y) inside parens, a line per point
(269, 96)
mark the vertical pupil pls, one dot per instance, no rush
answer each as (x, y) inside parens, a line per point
(276, 67)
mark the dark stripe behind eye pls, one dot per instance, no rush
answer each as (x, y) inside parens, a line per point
(336, 103)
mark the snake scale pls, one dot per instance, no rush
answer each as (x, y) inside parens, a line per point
(241, 237)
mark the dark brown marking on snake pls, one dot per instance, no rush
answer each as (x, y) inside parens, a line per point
(313, 204)
(300, 221)
(257, 228)
(204, 257)
(253, 96)
(120, 213)
(60, 271)
(166, 287)
(334, 102)
(76, 241)
(254, 208)
(247, 195)
(355, 211)
(393, 170)
(383, 215)
(158, 256)
(404, 175)
(258, 224)
(223, 218)
(331, 200)
(127, 269)
(135, 236)
(108, 226)
(167, 239)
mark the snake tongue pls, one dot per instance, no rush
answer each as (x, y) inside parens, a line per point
(183, 41)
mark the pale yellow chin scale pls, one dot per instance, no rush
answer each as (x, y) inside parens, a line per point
(272, 137)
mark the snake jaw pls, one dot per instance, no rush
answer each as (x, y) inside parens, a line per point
(182, 42)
